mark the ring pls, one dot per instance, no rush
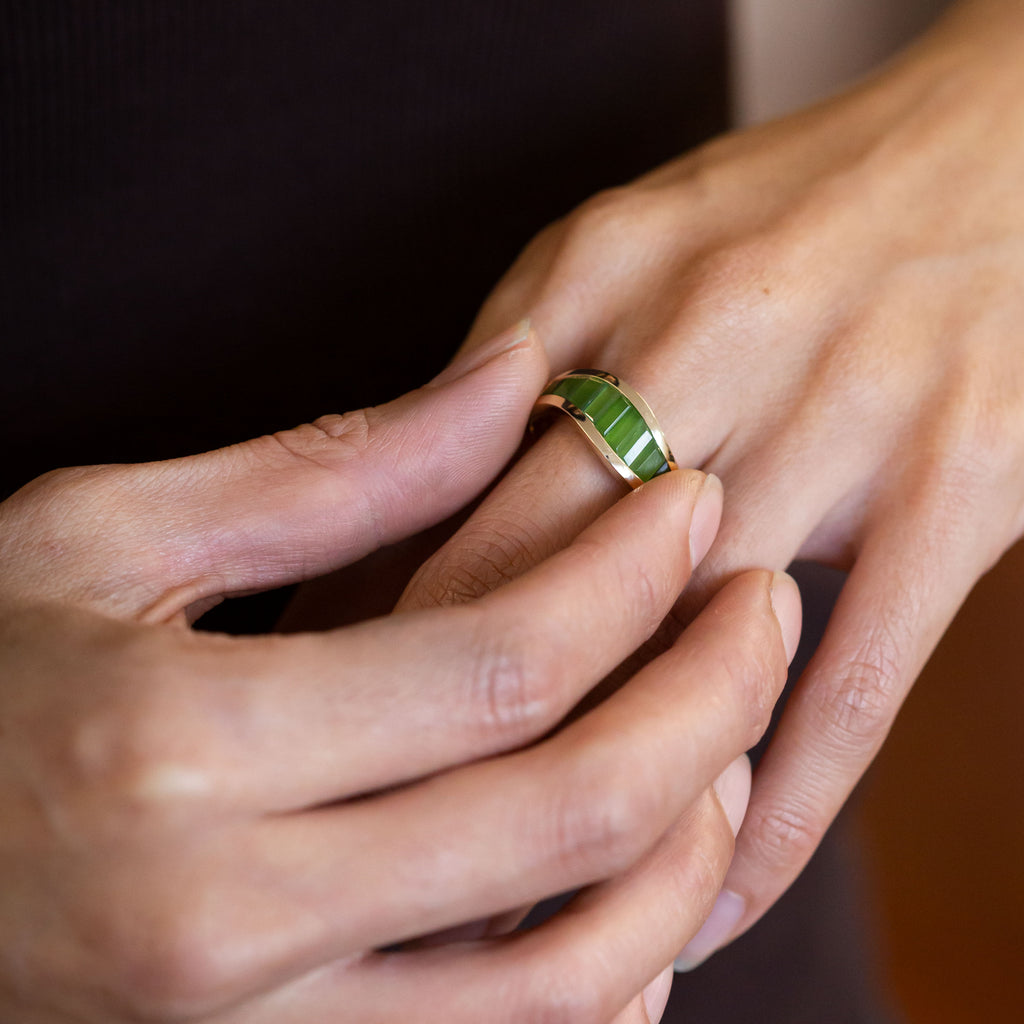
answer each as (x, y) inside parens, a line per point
(616, 420)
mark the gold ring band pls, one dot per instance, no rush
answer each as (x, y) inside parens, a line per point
(615, 420)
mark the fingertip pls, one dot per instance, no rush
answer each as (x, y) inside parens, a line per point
(786, 604)
(706, 518)
(717, 930)
(470, 419)
(656, 995)
(518, 344)
(732, 788)
(699, 497)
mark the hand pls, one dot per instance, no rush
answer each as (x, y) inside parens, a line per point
(204, 828)
(825, 313)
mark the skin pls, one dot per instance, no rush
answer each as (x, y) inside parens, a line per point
(216, 829)
(825, 312)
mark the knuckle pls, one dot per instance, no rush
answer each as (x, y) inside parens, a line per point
(514, 694)
(640, 588)
(560, 986)
(823, 204)
(153, 948)
(41, 525)
(753, 675)
(860, 709)
(599, 826)
(781, 838)
(604, 215)
(734, 273)
(622, 220)
(124, 771)
(861, 704)
(983, 465)
(565, 1002)
(737, 283)
(647, 592)
(979, 427)
(712, 856)
(348, 434)
(182, 969)
(52, 490)
(760, 678)
(702, 844)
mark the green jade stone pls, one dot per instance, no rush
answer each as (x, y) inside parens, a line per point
(619, 422)
(651, 463)
(606, 412)
(624, 433)
(579, 390)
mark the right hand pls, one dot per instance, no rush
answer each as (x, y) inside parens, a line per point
(204, 828)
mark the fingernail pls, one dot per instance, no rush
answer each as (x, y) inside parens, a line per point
(732, 788)
(656, 995)
(707, 514)
(714, 933)
(468, 361)
(785, 598)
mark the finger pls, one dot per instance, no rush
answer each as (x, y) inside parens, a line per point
(396, 698)
(570, 284)
(545, 500)
(586, 963)
(150, 540)
(598, 267)
(622, 932)
(907, 584)
(649, 1006)
(297, 892)
(788, 497)
(732, 788)
(655, 997)
(797, 485)
(555, 489)
(582, 806)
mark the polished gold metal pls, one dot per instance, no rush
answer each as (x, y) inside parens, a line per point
(613, 459)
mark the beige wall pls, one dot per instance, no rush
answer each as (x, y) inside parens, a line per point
(790, 52)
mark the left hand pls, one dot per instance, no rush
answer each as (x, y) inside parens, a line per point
(825, 312)
(214, 829)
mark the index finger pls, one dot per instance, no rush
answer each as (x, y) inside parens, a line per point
(393, 699)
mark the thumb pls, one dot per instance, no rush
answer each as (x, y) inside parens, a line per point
(150, 540)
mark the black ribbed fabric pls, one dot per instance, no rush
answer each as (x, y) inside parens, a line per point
(219, 218)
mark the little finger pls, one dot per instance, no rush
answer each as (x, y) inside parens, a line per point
(909, 580)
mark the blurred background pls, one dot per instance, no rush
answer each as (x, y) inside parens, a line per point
(942, 813)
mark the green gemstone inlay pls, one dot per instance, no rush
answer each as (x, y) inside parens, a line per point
(626, 431)
(609, 412)
(639, 446)
(580, 391)
(619, 422)
(651, 462)
(603, 401)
